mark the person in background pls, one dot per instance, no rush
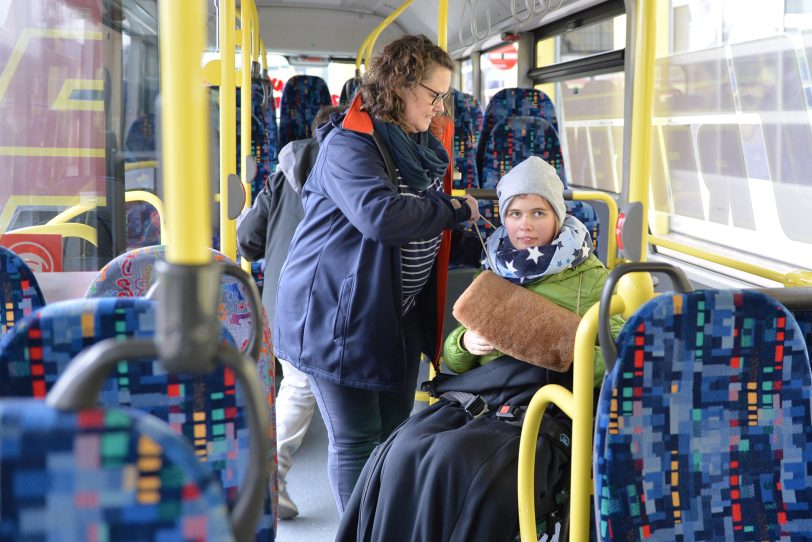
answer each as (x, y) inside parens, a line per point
(357, 302)
(265, 232)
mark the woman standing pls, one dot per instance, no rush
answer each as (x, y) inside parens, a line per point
(357, 302)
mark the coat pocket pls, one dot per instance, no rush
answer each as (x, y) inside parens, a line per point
(343, 310)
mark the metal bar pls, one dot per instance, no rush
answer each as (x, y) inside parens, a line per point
(643, 94)
(185, 123)
(228, 124)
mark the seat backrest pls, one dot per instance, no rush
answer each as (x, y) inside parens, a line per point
(351, 86)
(704, 429)
(588, 217)
(516, 139)
(476, 112)
(804, 319)
(512, 102)
(133, 273)
(464, 144)
(102, 474)
(263, 135)
(302, 98)
(19, 290)
(209, 410)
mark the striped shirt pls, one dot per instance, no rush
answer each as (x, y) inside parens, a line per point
(416, 257)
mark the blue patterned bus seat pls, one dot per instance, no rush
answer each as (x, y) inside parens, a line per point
(703, 428)
(19, 290)
(112, 474)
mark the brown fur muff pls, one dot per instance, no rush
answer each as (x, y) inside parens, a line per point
(518, 322)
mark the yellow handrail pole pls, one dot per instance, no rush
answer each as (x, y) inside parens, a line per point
(255, 44)
(228, 135)
(551, 393)
(71, 213)
(643, 96)
(442, 25)
(263, 55)
(245, 96)
(794, 278)
(583, 383)
(360, 56)
(578, 406)
(246, 105)
(185, 122)
(611, 204)
(378, 29)
(70, 229)
(145, 164)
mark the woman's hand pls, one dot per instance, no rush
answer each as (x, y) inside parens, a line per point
(476, 344)
(474, 205)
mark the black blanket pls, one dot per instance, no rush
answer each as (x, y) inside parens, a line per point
(446, 476)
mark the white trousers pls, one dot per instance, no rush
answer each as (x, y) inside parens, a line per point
(294, 410)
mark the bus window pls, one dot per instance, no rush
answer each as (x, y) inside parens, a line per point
(77, 107)
(589, 106)
(732, 133)
(498, 68)
(467, 76)
(334, 73)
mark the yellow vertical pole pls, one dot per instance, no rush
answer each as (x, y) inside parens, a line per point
(228, 121)
(246, 105)
(442, 25)
(255, 46)
(185, 121)
(643, 97)
(360, 57)
(373, 36)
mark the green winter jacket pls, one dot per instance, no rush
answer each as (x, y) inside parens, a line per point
(562, 289)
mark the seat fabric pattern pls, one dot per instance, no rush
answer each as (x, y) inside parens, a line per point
(804, 319)
(512, 102)
(131, 274)
(476, 112)
(263, 136)
(302, 98)
(19, 290)
(588, 217)
(703, 427)
(115, 474)
(348, 91)
(209, 410)
(464, 144)
(516, 139)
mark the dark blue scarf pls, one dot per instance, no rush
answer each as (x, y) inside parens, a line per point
(419, 160)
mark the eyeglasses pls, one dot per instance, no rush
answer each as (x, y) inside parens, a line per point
(437, 96)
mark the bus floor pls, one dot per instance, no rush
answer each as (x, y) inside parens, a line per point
(309, 487)
(310, 490)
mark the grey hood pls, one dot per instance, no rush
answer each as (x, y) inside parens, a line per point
(296, 159)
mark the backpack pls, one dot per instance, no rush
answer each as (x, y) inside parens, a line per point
(449, 472)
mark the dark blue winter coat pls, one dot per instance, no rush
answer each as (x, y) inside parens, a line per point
(338, 310)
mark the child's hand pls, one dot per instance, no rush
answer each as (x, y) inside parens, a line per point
(476, 344)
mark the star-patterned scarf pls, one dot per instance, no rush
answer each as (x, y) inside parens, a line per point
(571, 247)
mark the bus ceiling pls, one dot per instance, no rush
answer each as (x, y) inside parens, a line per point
(280, 22)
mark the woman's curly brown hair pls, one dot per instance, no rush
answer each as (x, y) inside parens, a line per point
(402, 65)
